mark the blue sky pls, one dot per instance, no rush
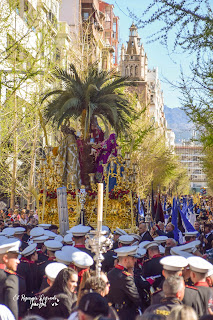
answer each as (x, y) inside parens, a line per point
(158, 56)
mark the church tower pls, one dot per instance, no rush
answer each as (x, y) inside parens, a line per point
(133, 59)
(134, 63)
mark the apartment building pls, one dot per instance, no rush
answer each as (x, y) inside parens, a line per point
(191, 157)
(95, 27)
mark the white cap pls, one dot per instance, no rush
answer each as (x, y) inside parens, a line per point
(80, 230)
(8, 232)
(161, 249)
(176, 252)
(161, 239)
(198, 264)
(59, 238)
(19, 230)
(51, 235)
(135, 236)
(68, 238)
(189, 246)
(69, 250)
(151, 244)
(10, 245)
(210, 272)
(120, 231)
(44, 225)
(3, 239)
(37, 232)
(140, 252)
(63, 257)
(53, 245)
(127, 251)
(40, 239)
(105, 228)
(82, 259)
(126, 239)
(143, 244)
(29, 250)
(191, 234)
(173, 263)
(53, 269)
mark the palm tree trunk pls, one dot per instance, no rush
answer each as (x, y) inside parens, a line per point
(32, 166)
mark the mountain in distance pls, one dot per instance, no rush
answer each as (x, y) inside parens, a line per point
(180, 123)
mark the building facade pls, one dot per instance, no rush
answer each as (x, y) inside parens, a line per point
(191, 157)
(95, 28)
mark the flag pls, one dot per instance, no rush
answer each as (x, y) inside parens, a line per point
(153, 210)
(175, 220)
(164, 205)
(159, 212)
(140, 208)
(188, 226)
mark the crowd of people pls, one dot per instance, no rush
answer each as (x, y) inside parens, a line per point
(145, 275)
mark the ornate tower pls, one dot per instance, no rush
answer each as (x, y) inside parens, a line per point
(133, 59)
(134, 63)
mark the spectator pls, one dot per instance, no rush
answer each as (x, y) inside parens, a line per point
(91, 306)
(174, 289)
(182, 313)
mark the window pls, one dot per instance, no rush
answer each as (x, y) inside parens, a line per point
(108, 15)
(85, 15)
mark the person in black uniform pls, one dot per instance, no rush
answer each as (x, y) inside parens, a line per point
(28, 269)
(52, 246)
(198, 272)
(173, 266)
(152, 267)
(123, 293)
(9, 283)
(79, 232)
(19, 233)
(173, 289)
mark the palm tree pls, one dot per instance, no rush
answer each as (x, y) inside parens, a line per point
(96, 95)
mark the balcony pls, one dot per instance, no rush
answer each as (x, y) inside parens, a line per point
(93, 3)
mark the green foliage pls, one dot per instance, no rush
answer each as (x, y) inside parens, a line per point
(96, 94)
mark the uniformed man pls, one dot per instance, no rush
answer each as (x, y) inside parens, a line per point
(173, 289)
(123, 293)
(52, 246)
(9, 283)
(28, 268)
(152, 267)
(117, 233)
(173, 266)
(19, 233)
(199, 268)
(41, 249)
(79, 232)
(125, 240)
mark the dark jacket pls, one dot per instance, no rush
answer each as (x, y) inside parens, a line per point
(152, 267)
(58, 305)
(146, 237)
(123, 293)
(29, 271)
(9, 290)
(164, 307)
(169, 234)
(191, 298)
(205, 293)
